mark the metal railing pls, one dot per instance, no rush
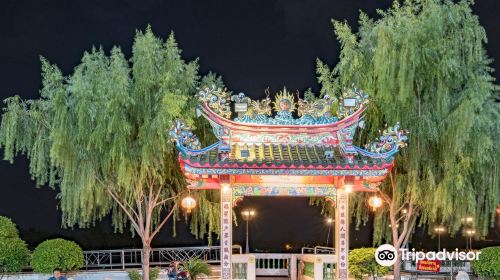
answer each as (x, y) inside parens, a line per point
(132, 258)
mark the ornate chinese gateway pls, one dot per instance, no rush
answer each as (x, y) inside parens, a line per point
(286, 147)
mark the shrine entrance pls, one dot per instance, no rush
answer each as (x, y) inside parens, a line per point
(306, 149)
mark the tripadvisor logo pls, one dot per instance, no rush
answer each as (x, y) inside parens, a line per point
(387, 255)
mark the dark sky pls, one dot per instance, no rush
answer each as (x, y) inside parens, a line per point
(252, 44)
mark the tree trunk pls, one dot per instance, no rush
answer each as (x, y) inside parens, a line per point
(397, 268)
(146, 253)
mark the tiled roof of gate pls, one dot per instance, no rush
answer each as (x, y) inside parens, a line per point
(285, 154)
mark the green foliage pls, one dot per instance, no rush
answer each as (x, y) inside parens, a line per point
(362, 263)
(14, 253)
(424, 64)
(100, 134)
(7, 228)
(212, 79)
(309, 95)
(488, 264)
(197, 268)
(57, 253)
(136, 275)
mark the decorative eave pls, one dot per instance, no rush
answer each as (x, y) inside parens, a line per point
(220, 121)
(307, 169)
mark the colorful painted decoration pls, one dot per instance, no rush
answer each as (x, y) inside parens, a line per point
(317, 108)
(241, 103)
(390, 141)
(284, 102)
(284, 191)
(350, 101)
(217, 99)
(259, 112)
(186, 141)
(181, 133)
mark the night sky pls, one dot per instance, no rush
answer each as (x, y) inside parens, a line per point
(252, 44)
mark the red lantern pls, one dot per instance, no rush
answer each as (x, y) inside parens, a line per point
(188, 203)
(375, 202)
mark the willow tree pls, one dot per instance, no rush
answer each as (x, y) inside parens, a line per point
(101, 136)
(424, 64)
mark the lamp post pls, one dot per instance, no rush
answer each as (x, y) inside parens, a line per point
(247, 215)
(329, 222)
(439, 230)
(470, 233)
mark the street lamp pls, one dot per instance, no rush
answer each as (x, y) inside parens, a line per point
(470, 233)
(439, 230)
(329, 222)
(247, 214)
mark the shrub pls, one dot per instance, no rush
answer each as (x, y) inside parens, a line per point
(488, 264)
(362, 262)
(196, 267)
(14, 255)
(136, 274)
(7, 228)
(57, 253)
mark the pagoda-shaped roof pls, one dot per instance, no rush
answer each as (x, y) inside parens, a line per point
(302, 138)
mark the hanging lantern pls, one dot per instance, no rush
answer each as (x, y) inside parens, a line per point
(375, 202)
(188, 203)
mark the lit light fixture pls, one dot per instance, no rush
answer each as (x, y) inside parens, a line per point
(348, 183)
(225, 187)
(248, 213)
(439, 229)
(329, 220)
(375, 202)
(404, 211)
(348, 188)
(188, 203)
(469, 219)
(470, 232)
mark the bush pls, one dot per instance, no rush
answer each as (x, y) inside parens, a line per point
(196, 267)
(137, 275)
(488, 264)
(7, 228)
(57, 253)
(362, 262)
(14, 253)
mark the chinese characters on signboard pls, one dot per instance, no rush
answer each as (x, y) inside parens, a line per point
(226, 242)
(343, 241)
